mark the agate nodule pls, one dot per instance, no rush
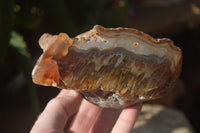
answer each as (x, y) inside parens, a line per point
(111, 67)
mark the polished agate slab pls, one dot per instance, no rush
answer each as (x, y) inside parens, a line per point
(111, 67)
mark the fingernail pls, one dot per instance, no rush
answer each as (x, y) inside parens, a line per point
(72, 93)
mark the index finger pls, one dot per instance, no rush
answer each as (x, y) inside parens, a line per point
(57, 112)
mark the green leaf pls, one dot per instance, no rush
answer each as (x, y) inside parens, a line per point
(17, 41)
(6, 23)
(23, 56)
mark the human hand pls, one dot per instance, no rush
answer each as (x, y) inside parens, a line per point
(89, 118)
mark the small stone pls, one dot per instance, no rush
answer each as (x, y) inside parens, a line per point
(111, 67)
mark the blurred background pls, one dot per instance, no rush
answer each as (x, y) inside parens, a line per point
(22, 22)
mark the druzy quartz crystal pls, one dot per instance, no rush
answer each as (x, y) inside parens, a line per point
(111, 67)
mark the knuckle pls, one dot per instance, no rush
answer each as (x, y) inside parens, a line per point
(58, 104)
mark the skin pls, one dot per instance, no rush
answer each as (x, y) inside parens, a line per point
(89, 118)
